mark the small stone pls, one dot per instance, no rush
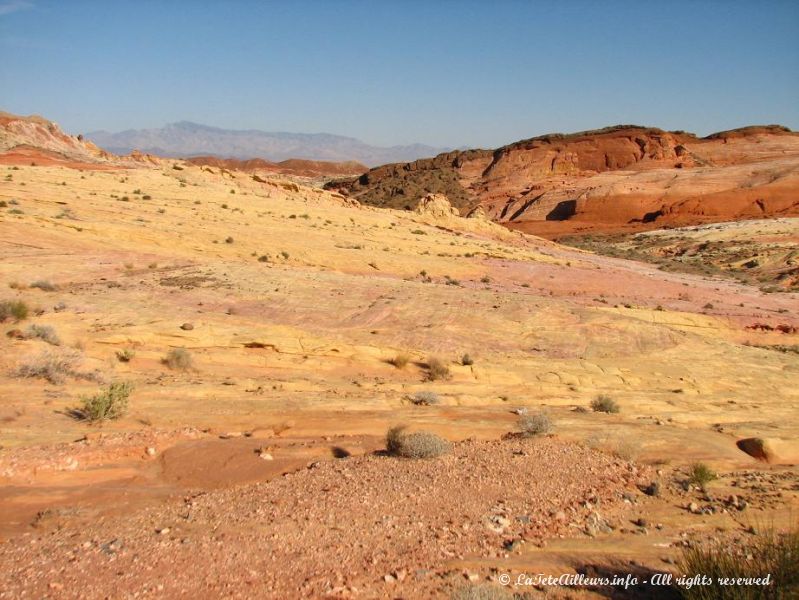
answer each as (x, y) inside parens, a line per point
(187, 327)
(653, 489)
(163, 531)
(150, 451)
(389, 578)
(265, 456)
(641, 522)
(560, 516)
(693, 507)
(473, 577)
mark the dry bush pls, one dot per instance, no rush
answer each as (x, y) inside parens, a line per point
(769, 553)
(52, 365)
(111, 403)
(535, 424)
(44, 285)
(125, 355)
(419, 444)
(46, 333)
(466, 360)
(425, 398)
(13, 309)
(178, 359)
(401, 360)
(483, 591)
(436, 369)
(605, 404)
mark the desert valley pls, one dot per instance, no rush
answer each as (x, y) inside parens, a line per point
(575, 354)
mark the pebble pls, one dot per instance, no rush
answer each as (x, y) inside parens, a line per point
(187, 327)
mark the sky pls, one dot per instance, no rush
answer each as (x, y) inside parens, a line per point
(441, 72)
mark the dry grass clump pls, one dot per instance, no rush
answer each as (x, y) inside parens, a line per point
(483, 591)
(401, 360)
(436, 369)
(52, 365)
(425, 398)
(605, 404)
(111, 403)
(535, 424)
(178, 359)
(770, 554)
(46, 333)
(13, 309)
(467, 360)
(419, 444)
(44, 285)
(125, 355)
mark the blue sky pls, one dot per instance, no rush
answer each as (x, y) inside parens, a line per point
(445, 73)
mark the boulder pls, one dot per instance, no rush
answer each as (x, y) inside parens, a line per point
(436, 206)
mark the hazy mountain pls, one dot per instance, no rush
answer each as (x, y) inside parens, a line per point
(185, 139)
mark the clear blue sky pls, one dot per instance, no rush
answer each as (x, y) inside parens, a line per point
(441, 72)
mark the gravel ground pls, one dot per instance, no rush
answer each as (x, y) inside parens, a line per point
(369, 527)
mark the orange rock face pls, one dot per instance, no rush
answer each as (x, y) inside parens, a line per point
(624, 177)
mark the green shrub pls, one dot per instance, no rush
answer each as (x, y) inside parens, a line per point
(419, 444)
(15, 309)
(700, 474)
(111, 403)
(769, 553)
(178, 359)
(605, 404)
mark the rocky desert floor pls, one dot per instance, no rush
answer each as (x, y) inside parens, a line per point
(257, 469)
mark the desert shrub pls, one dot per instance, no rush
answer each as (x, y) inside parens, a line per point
(13, 309)
(111, 403)
(467, 360)
(484, 591)
(425, 398)
(535, 424)
(51, 365)
(178, 359)
(436, 369)
(605, 404)
(401, 360)
(44, 285)
(700, 474)
(125, 355)
(46, 333)
(769, 553)
(419, 444)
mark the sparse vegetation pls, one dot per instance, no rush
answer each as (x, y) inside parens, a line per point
(111, 403)
(401, 360)
(52, 365)
(13, 309)
(419, 444)
(467, 360)
(125, 355)
(46, 333)
(768, 553)
(178, 359)
(535, 424)
(44, 285)
(436, 369)
(605, 404)
(700, 474)
(425, 398)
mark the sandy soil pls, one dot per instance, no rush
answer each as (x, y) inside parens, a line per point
(292, 352)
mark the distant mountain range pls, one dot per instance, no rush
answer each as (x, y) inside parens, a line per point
(186, 139)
